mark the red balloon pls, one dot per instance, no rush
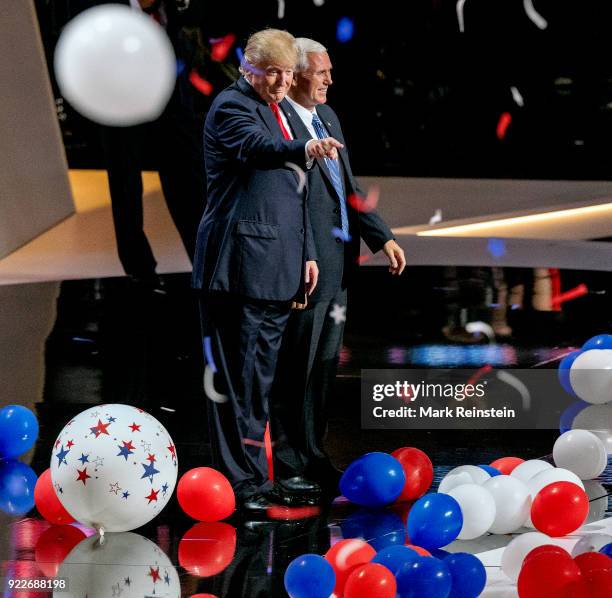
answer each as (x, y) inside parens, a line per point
(599, 583)
(593, 561)
(202, 596)
(418, 470)
(507, 464)
(344, 556)
(559, 509)
(206, 494)
(578, 589)
(420, 550)
(370, 580)
(546, 548)
(54, 545)
(547, 575)
(207, 548)
(47, 503)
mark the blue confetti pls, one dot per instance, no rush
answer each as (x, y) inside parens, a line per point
(180, 67)
(345, 29)
(496, 247)
(339, 234)
(209, 354)
(240, 55)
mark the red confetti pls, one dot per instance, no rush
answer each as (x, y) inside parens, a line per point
(574, 293)
(268, 445)
(202, 85)
(502, 126)
(366, 204)
(362, 259)
(222, 46)
(480, 373)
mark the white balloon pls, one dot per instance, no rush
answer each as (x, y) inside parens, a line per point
(512, 503)
(114, 467)
(115, 65)
(598, 501)
(581, 452)
(515, 553)
(464, 474)
(527, 469)
(596, 419)
(591, 543)
(125, 565)
(606, 438)
(591, 376)
(477, 507)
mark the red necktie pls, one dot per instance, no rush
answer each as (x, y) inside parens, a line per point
(276, 112)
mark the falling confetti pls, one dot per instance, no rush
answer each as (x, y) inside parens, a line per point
(345, 30)
(485, 369)
(221, 47)
(460, 4)
(340, 234)
(513, 381)
(202, 85)
(300, 173)
(281, 9)
(338, 313)
(517, 97)
(437, 217)
(574, 293)
(496, 247)
(318, 2)
(209, 387)
(367, 204)
(502, 126)
(209, 354)
(482, 327)
(180, 67)
(534, 16)
(362, 259)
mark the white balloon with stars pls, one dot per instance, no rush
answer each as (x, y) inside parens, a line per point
(114, 467)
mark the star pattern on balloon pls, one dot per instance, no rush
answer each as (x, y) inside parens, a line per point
(145, 445)
(154, 574)
(84, 458)
(114, 487)
(100, 429)
(152, 496)
(83, 476)
(125, 450)
(135, 427)
(125, 494)
(70, 444)
(149, 471)
(61, 456)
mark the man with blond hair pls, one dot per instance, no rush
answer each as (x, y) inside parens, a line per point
(255, 253)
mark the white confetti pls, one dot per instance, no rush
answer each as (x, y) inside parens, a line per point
(519, 386)
(437, 217)
(300, 173)
(482, 327)
(533, 15)
(318, 2)
(460, 4)
(338, 313)
(517, 97)
(281, 9)
(209, 386)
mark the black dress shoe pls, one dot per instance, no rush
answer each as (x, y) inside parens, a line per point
(300, 485)
(296, 492)
(256, 503)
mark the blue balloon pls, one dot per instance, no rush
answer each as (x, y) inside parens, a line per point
(435, 520)
(490, 470)
(424, 576)
(17, 482)
(394, 557)
(607, 550)
(439, 553)
(468, 574)
(564, 371)
(379, 528)
(310, 576)
(601, 341)
(374, 480)
(567, 417)
(18, 431)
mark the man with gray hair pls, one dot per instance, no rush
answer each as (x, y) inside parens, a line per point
(311, 344)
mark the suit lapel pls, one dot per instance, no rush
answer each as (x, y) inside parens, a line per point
(262, 108)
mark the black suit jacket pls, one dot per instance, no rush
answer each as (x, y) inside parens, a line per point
(337, 260)
(254, 237)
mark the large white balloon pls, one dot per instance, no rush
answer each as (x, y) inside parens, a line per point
(591, 376)
(550, 476)
(114, 467)
(512, 503)
(591, 543)
(477, 507)
(464, 474)
(515, 553)
(527, 469)
(115, 65)
(597, 419)
(581, 452)
(125, 565)
(598, 501)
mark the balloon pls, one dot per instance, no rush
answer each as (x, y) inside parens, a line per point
(490, 470)
(419, 550)
(564, 371)
(122, 564)
(18, 431)
(601, 341)
(581, 452)
(17, 482)
(559, 509)
(567, 418)
(528, 469)
(115, 65)
(512, 503)
(464, 474)
(598, 501)
(599, 583)
(206, 494)
(424, 576)
(114, 467)
(604, 435)
(47, 503)
(606, 549)
(478, 510)
(309, 576)
(379, 528)
(370, 580)
(549, 476)
(547, 575)
(468, 575)
(593, 561)
(506, 464)
(418, 470)
(373, 480)
(590, 543)
(393, 557)
(518, 549)
(207, 548)
(435, 520)
(344, 556)
(54, 545)
(591, 376)
(546, 548)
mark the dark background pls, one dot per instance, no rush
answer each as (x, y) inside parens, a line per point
(418, 98)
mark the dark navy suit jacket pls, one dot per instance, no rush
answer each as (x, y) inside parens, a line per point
(337, 261)
(254, 237)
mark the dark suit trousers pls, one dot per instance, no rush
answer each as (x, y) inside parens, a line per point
(172, 145)
(246, 336)
(306, 372)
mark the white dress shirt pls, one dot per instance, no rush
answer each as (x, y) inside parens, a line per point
(305, 115)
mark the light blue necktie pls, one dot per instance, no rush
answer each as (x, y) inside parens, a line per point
(334, 171)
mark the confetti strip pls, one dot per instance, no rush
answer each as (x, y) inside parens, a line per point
(221, 47)
(517, 97)
(460, 4)
(209, 354)
(281, 9)
(574, 293)
(318, 2)
(519, 386)
(482, 327)
(202, 85)
(534, 16)
(345, 30)
(502, 126)
(300, 173)
(362, 259)
(367, 204)
(209, 387)
(437, 217)
(480, 373)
